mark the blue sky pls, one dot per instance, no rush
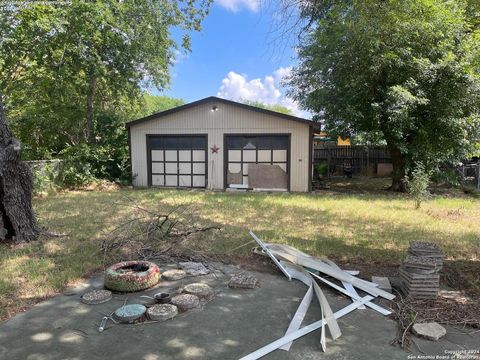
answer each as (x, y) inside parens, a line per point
(236, 56)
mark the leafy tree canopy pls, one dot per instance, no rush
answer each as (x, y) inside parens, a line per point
(152, 104)
(273, 107)
(69, 70)
(407, 70)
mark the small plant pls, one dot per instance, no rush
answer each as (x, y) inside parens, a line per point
(417, 184)
(45, 177)
(320, 170)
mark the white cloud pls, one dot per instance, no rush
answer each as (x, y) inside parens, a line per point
(268, 90)
(236, 5)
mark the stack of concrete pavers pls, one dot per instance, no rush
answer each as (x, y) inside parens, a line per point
(419, 272)
(427, 250)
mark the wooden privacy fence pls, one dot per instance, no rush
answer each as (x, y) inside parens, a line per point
(356, 159)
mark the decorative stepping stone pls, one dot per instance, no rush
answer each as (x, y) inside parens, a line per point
(173, 275)
(96, 297)
(431, 331)
(185, 302)
(129, 313)
(243, 281)
(203, 291)
(162, 312)
(194, 268)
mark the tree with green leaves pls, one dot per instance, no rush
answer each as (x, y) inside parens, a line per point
(152, 104)
(405, 71)
(273, 107)
(62, 63)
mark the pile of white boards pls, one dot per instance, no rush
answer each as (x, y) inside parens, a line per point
(298, 265)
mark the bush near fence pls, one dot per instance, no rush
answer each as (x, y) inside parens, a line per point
(46, 174)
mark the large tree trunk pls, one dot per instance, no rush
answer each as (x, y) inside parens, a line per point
(17, 220)
(92, 82)
(398, 174)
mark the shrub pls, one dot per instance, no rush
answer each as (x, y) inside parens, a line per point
(417, 184)
(45, 175)
(320, 170)
(84, 164)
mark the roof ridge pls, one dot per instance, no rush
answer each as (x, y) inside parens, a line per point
(225, 101)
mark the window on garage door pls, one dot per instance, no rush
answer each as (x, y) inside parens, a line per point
(243, 150)
(178, 160)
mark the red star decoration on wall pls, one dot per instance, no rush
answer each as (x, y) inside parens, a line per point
(215, 149)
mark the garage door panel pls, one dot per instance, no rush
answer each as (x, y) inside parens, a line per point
(264, 155)
(170, 155)
(250, 155)
(185, 168)
(171, 168)
(185, 181)
(199, 168)
(234, 167)
(184, 155)
(170, 142)
(158, 180)
(279, 155)
(158, 168)
(234, 155)
(198, 181)
(171, 180)
(199, 142)
(198, 155)
(157, 155)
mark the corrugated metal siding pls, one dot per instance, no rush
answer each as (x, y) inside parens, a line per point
(227, 120)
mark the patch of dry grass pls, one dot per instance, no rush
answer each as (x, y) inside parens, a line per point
(364, 226)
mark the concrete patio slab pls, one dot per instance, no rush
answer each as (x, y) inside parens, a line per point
(233, 324)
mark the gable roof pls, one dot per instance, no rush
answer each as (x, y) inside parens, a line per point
(222, 101)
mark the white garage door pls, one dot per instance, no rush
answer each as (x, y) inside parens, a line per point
(178, 160)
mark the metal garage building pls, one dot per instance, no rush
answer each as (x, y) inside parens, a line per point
(219, 144)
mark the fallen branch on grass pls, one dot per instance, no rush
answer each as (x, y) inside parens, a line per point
(154, 231)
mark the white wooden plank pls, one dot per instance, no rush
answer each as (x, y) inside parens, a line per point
(349, 287)
(300, 273)
(371, 305)
(297, 319)
(303, 331)
(262, 245)
(310, 262)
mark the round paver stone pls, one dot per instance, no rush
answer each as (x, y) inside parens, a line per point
(96, 297)
(203, 291)
(186, 302)
(174, 275)
(162, 312)
(130, 313)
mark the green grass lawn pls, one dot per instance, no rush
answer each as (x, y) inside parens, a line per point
(366, 227)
